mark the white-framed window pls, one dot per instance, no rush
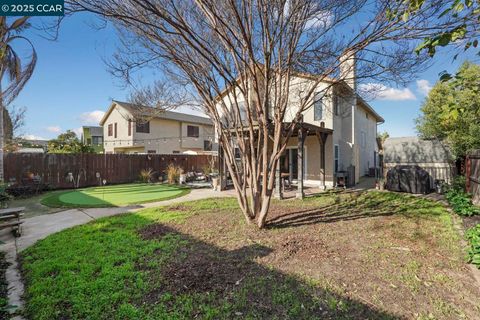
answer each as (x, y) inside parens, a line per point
(335, 105)
(336, 157)
(318, 107)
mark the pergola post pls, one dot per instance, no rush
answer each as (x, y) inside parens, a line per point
(322, 139)
(300, 172)
(278, 194)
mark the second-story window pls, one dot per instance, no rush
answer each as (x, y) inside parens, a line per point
(207, 145)
(193, 131)
(110, 130)
(318, 107)
(335, 105)
(115, 130)
(129, 127)
(97, 140)
(143, 127)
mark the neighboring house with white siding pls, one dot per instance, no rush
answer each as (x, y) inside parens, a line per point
(341, 117)
(129, 128)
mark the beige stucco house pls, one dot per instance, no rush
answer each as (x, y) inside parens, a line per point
(129, 128)
(340, 130)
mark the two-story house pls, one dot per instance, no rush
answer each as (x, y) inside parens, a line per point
(93, 136)
(338, 132)
(129, 128)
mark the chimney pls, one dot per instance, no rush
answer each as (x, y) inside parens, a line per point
(348, 68)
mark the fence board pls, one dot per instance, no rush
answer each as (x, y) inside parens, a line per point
(115, 168)
(473, 175)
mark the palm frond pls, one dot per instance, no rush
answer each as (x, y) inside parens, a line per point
(18, 76)
(19, 24)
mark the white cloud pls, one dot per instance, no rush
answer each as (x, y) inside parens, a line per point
(32, 137)
(424, 86)
(92, 117)
(377, 91)
(54, 129)
(324, 19)
(78, 131)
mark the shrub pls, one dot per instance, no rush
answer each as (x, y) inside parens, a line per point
(461, 203)
(459, 200)
(4, 196)
(173, 173)
(473, 237)
(459, 183)
(146, 175)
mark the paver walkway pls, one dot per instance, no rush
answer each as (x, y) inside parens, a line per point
(39, 227)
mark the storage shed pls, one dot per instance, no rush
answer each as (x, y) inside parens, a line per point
(433, 156)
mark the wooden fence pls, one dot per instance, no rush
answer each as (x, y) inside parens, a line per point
(92, 169)
(472, 172)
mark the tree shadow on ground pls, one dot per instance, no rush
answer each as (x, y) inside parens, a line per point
(220, 283)
(352, 206)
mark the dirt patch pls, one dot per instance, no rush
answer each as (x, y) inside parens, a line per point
(374, 251)
(154, 231)
(203, 271)
(470, 222)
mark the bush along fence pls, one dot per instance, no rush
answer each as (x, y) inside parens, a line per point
(472, 173)
(62, 171)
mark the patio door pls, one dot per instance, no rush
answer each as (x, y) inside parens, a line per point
(289, 163)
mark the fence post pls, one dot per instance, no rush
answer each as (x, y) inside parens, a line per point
(467, 173)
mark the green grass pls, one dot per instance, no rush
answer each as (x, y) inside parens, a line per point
(114, 195)
(107, 270)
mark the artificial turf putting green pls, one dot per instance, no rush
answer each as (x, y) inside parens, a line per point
(115, 195)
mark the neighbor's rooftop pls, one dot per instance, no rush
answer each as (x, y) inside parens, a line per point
(143, 111)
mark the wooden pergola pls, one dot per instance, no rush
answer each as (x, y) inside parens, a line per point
(301, 130)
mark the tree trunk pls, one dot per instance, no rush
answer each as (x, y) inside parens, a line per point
(262, 215)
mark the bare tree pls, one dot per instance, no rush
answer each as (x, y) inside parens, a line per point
(257, 66)
(17, 118)
(11, 66)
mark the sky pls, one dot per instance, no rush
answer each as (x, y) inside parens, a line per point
(71, 85)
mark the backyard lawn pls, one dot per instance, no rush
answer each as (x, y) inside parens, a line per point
(114, 195)
(371, 255)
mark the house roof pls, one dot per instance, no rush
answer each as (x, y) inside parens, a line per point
(142, 111)
(331, 80)
(370, 109)
(94, 130)
(415, 150)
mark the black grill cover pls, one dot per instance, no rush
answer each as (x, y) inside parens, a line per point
(412, 179)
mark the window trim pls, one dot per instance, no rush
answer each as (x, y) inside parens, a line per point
(318, 103)
(210, 145)
(110, 129)
(144, 125)
(336, 158)
(335, 105)
(194, 135)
